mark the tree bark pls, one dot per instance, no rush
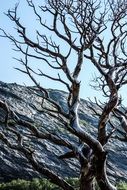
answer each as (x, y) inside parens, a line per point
(86, 179)
(101, 175)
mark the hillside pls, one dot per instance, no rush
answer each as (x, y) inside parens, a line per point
(13, 165)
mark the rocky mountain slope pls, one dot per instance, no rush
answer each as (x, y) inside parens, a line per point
(13, 165)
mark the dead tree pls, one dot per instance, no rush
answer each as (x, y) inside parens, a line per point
(81, 27)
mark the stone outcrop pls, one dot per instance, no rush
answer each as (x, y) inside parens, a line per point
(13, 164)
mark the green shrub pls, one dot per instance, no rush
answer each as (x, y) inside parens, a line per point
(15, 185)
(73, 181)
(35, 184)
(44, 184)
(122, 186)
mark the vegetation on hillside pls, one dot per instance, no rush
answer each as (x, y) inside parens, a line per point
(44, 184)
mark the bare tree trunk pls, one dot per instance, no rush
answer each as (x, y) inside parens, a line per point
(86, 184)
(86, 179)
(101, 175)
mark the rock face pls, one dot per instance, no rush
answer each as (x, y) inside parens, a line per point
(13, 165)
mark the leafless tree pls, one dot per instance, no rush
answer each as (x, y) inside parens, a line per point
(81, 26)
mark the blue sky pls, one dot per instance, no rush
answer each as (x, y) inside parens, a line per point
(7, 63)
